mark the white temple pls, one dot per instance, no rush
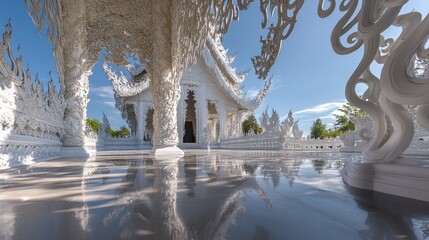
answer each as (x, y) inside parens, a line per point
(194, 91)
(211, 105)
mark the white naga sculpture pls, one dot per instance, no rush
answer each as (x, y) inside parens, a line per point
(381, 167)
(397, 85)
(210, 98)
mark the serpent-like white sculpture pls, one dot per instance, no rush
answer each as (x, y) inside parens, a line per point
(397, 85)
(381, 166)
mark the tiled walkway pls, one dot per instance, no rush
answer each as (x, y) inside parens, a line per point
(215, 195)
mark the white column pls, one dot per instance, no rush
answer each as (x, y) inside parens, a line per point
(239, 120)
(222, 120)
(203, 117)
(181, 114)
(214, 132)
(141, 121)
(76, 70)
(165, 82)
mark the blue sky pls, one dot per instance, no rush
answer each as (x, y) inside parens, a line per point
(308, 77)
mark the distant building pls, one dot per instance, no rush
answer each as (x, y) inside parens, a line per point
(212, 105)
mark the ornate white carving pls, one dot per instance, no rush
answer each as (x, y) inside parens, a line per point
(278, 135)
(31, 120)
(223, 61)
(215, 63)
(79, 30)
(49, 12)
(271, 125)
(13, 155)
(274, 142)
(358, 139)
(123, 86)
(397, 85)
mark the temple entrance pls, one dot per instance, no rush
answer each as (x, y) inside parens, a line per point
(213, 122)
(190, 119)
(148, 129)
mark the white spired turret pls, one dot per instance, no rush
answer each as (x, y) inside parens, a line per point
(212, 104)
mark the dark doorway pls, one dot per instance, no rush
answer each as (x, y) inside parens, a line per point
(190, 119)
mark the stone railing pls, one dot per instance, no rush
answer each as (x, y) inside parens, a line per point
(254, 142)
(317, 144)
(31, 120)
(357, 141)
(274, 142)
(111, 143)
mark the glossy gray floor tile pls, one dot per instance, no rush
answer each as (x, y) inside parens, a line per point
(215, 195)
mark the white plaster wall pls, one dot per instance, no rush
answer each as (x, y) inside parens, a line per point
(202, 80)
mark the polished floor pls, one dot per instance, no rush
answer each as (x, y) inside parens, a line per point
(205, 195)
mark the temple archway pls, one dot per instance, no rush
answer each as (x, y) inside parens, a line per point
(190, 119)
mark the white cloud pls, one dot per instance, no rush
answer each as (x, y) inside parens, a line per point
(102, 91)
(276, 83)
(331, 115)
(107, 103)
(252, 93)
(326, 107)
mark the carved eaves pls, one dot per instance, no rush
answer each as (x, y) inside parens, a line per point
(123, 86)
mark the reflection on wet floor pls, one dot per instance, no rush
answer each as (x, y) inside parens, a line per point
(205, 195)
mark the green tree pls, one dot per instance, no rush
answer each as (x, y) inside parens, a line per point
(332, 133)
(124, 132)
(250, 124)
(319, 165)
(318, 129)
(121, 133)
(344, 121)
(94, 124)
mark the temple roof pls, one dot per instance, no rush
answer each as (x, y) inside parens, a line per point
(215, 57)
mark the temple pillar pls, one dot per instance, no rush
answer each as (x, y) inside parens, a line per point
(165, 82)
(141, 121)
(213, 130)
(239, 126)
(222, 120)
(202, 119)
(201, 115)
(181, 115)
(76, 70)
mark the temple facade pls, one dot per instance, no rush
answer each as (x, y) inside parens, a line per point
(211, 105)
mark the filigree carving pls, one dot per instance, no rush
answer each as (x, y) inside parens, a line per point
(272, 126)
(26, 109)
(31, 120)
(123, 86)
(13, 155)
(223, 61)
(215, 63)
(79, 30)
(385, 97)
(286, 14)
(49, 12)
